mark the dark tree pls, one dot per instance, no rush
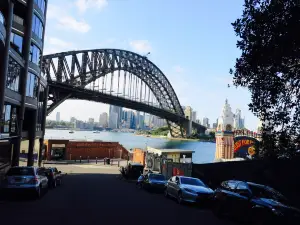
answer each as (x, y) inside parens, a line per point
(269, 66)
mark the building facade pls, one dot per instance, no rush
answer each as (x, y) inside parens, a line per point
(115, 117)
(206, 122)
(23, 89)
(103, 120)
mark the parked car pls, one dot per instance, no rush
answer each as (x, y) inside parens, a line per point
(31, 179)
(188, 189)
(54, 176)
(153, 182)
(132, 171)
(254, 203)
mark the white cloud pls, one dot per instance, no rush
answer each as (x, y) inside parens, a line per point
(84, 5)
(178, 69)
(141, 46)
(70, 23)
(65, 21)
(59, 43)
(55, 45)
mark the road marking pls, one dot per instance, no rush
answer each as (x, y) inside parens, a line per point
(94, 167)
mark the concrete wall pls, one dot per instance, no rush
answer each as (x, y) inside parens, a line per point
(138, 156)
(282, 175)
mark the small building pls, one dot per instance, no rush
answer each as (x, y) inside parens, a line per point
(176, 155)
(59, 149)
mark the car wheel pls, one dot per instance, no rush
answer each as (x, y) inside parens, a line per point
(166, 193)
(179, 198)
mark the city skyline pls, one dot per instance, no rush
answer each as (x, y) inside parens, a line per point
(200, 81)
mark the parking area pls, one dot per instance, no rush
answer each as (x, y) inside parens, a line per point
(93, 195)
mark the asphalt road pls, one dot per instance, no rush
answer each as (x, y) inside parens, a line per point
(95, 195)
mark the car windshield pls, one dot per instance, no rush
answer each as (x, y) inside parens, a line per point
(156, 177)
(192, 181)
(267, 192)
(20, 172)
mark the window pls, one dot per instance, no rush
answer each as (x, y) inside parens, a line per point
(13, 75)
(7, 112)
(16, 42)
(241, 186)
(230, 185)
(37, 26)
(40, 114)
(13, 120)
(35, 54)
(31, 85)
(41, 4)
(2, 20)
(18, 20)
(192, 181)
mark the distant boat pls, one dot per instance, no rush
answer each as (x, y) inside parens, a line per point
(71, 132)
(96, 132)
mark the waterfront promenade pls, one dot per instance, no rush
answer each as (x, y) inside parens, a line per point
(94, 194)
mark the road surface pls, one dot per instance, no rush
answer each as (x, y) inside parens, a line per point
(94, 195)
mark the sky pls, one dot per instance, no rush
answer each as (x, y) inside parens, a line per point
(191, 41)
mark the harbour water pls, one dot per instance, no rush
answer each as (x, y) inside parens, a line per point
(204, 151)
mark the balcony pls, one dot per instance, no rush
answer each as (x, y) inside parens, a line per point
(2, 29)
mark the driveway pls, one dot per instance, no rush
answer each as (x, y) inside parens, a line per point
(94, 195)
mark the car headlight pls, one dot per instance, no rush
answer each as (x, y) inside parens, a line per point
(189, 190)
(277, 212)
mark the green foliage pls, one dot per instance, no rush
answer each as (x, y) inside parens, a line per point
(52, 124)
(269, 66)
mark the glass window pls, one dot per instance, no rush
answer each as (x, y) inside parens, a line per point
(13, 121)
(32, 85)
(37, 26)
(16, 42)
(35, 54)
(13, 75)
(1, 18)
(192, 181)
(7, 112)
(41, 4)
(17, 171)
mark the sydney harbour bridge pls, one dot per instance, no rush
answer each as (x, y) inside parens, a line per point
(116, 77)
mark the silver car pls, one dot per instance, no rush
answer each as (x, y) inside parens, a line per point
(26, 179)
(188, 189)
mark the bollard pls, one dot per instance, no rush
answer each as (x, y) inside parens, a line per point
(96, 160)
(80, 159)
(75, 159)
(88, 159)
(70, 156)
(104, 161)
(111, 162)
(119, 163)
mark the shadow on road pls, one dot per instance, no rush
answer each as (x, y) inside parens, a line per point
(102, 198)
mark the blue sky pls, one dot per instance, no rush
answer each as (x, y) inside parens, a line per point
(191, 41)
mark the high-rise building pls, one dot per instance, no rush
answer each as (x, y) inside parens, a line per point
(103, 120)
(205, 122)
(115, 117)
(22, 86)
(188, 112)
(194, 116)
(58, 117)
(91, 120)
(73, 120)
(239, 123)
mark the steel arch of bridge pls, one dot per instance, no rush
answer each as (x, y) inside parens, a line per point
(93, 64)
